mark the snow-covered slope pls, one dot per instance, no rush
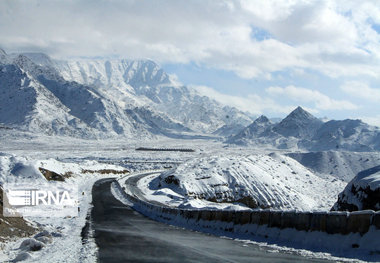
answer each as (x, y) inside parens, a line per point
(342, 165)
(352, 135)
(39, 59)
(116, 97)
(15, 169)
(301, 130)
(155, 122)
(84, 102)
(253, 131)
(362, 193)
(27, 104)
(257, 181)
(299, 123)
(145, 83)
(3, 57)
(37, 98)
(228, 130)
(65, 243)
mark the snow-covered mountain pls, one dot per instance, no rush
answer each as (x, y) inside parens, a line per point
(340, 164)
(228, 130)
(257, 181)
(353, 135)
(27, 104)
(301, 130)
(92, 98)
(299, 124)
(56, 106)
(3, 57)
(253, 131)
(145, 83)
(362, 193)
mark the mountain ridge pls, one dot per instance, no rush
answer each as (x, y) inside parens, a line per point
(302, 131)
(299, 123)
(105, 98)
(146, 83)
(119, 98)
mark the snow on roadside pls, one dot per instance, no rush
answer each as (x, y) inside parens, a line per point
(66, 244)
(311, 244)
(171, 198)
(256, 181)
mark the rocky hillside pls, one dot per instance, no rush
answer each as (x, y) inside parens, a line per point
(362, 193)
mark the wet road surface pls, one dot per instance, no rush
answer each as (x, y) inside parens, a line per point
(123, 235)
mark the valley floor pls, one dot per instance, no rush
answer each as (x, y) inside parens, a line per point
(77, 155)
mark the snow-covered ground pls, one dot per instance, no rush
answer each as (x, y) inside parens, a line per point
(342, 165)
(70, 155)
(64, 241)
(211, 157)
(122, 105)
(312, 244)
(245, 181)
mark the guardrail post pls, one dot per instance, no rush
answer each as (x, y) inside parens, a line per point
(336, 223)
(376, 220)
(359, 221)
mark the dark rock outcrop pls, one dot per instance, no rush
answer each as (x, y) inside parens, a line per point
(362, 193)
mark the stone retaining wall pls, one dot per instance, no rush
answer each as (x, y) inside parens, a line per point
(328, 222)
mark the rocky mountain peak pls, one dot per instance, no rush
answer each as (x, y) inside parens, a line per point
(299, 123)
(262, 119)
(4, 59)
(36, 70)
(24, 62)
(39, 58)
(2, 53)
(142, 73)
(300, 114)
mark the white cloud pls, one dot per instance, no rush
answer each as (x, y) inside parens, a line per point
(302, 34)
(320, 101)
(375, 121)
(252, 103)
(361, 90)
(302, 21)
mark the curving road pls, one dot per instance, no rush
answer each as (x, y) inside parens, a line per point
(124, 235)
(131, 184)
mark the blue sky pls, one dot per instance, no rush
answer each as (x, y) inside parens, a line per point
(265, 57)
(228, 83)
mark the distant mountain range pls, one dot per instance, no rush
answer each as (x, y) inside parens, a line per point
(301, 130)
(104, 98)
(94, 98)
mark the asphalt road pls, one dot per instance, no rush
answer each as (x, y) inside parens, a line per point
(131, 184)
(124, 235)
